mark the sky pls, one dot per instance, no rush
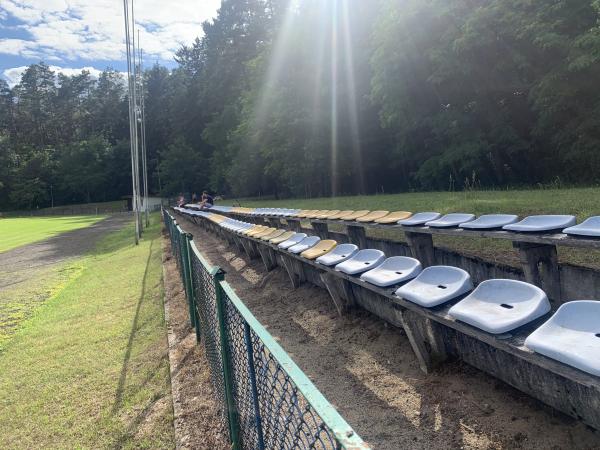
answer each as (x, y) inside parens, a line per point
(71, 35)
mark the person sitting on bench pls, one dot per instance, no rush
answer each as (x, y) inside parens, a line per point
(206, 201)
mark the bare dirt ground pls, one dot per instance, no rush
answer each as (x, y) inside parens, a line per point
(197, 424)
(32, 273)
(366, 368)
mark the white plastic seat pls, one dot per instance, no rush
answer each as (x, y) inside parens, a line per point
(242, 227)
(341, 253)
(227, 223)
(450, 220)
(289, 212)
(362, 261)
(436, 285)
(589, 227)
(542, 223)
(419, 219)
(295, 239)
(571, 336)
(393, 270)
(305, 244)
(490, 221)
(499, 306)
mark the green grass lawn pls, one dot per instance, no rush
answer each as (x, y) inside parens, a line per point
(15, 232)
(19, 301)
(581, 202)
(90, 368)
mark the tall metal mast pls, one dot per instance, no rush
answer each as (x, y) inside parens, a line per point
(143, 131)
(136, 120)
(132, 125)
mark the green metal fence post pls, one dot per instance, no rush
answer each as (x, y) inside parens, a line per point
(187, 262)
(232, 413)
(187, 273)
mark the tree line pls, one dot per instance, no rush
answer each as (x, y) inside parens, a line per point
(321, 98)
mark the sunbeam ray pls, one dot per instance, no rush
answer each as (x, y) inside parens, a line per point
(334, 103)
(352, 104)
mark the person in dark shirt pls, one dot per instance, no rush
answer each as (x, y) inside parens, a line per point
(207, 201)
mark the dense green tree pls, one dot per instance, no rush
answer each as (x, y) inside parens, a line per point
(177, 177)
(59, 137)
(35, 98)
(82, 169)
(314, 98)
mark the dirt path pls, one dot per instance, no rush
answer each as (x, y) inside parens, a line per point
(368, 371)
(32, 273)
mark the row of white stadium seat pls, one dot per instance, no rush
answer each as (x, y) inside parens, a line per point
(497, 306)
(510, 222)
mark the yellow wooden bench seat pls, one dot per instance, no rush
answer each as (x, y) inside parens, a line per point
(307, 213)
(355, 215)
(373, 215)
(325, 215)
(282, 237)
(394, 217)
(255, 229)
(340, 214)
(217, 218)
(324, 246)
(240, 210)
(258, 230)
(317, 213)
(264, 232)
(248, 230)
(272, 235)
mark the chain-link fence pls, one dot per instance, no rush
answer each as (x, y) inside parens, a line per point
(267, 401)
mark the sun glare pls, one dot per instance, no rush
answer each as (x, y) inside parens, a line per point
(333, 19)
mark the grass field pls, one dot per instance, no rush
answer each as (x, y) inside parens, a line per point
(19, 301)
(90, 368)
(15, 232)
(581, 202)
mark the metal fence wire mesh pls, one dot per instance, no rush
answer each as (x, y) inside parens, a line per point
(206, 308)
(266, 401)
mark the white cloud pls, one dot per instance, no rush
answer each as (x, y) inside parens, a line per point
(94, 30)
(13, 75)
(12, 46)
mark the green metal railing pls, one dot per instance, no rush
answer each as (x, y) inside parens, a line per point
(266, 401)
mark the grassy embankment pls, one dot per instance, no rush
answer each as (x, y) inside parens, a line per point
(90, 368)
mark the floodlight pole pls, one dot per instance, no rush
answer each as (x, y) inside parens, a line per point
(135, 112)
(143, 132)
(132, 124)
